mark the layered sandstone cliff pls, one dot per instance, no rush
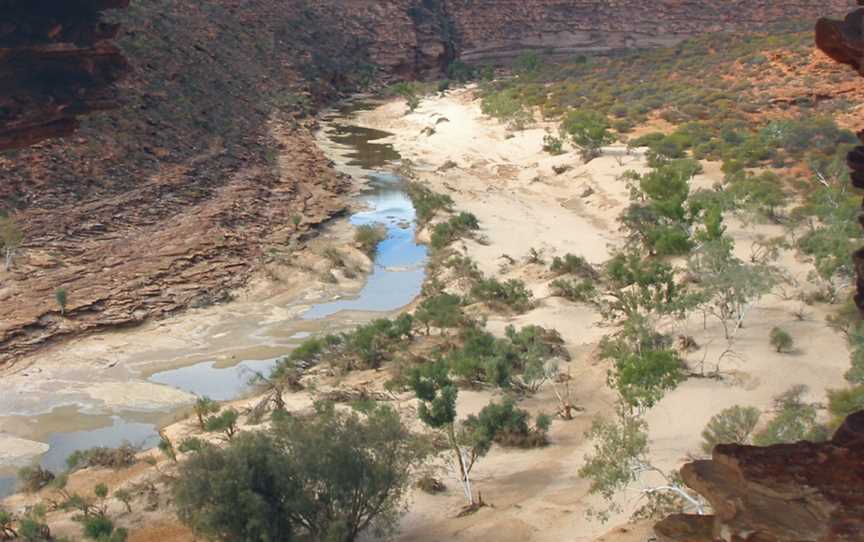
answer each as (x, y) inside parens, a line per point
(494, 29)
(56, 63)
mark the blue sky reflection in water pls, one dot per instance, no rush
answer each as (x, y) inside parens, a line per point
(400, 262)
(397, 278)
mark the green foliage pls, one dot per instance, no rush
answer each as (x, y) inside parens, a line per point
(527, 63)
(204, 407)
(809, 133)
(191, 445)
(456, 227)
(734, 425)
(331, 476)
(781, 340)
(509, 295)
(794, 420)
(62, 298)
(11, 237)
(658, 217)
(427, 203)
(369, 236)
(835, 234)
(113, 458)
(640, 285)
(506, 106)
(842, 403)
(644, 367)
(728, 286)
(459, 71)
(620, 447)
(443, 311)
(507, 425)
(588, 130)
(366, 347)
(582, 291)
(572, 264)
(224, 422)
(553, 145)
(33, 526)
(101, 529)
(437, 394)
(760, 195)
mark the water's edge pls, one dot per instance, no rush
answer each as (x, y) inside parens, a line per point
(395, 281)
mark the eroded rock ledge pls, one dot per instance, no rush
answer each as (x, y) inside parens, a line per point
(56, 63)
(784, 493)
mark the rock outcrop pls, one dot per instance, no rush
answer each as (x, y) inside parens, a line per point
(56, 63)
(784, 493)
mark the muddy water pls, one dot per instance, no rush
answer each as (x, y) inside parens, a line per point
(215, 353)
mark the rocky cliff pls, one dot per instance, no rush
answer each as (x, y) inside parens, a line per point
(56, 63)
(784, 493)
(487, 30)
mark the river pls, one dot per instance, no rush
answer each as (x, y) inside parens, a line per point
(59, 409)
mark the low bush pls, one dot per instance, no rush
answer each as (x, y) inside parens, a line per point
(842, 403)
(553, 145)
(795, 420)
(369, 236)
(32, 479)
(582, 291)
(508, 426)
(572, 264)
(781, 340)
(734, 425)
(457, 227)
(511, 294)
(112, 458)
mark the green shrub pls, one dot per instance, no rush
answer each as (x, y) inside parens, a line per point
(553, 145)
(588, 130)
(781, 340)
(331, 476)
(582, 291)
(100, 456)
(101, 529)
(459, 71)
(511, 294)
(794, 421)
(369, 236)
(224, 422)
(572, 264)
(443, 311)
(842, 403)
(734, 425)
(508, 426)
(457, 227)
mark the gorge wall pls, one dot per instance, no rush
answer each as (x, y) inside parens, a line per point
(499, 29)
(203, 155)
